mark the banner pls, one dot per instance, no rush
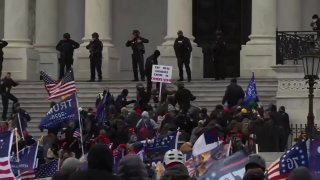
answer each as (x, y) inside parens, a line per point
(199, 165)
(232, 167)
(315, 158)
(161, 73)
(64, 111)
(27, 159)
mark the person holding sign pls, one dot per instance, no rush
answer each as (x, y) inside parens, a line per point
(183, 48)
(151, 60)
(137, 46)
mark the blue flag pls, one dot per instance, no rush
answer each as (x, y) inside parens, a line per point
(315, 158)
(231, 167)
(48, 169)
(64, 111)
(102, 108)
(295, 157)
(251, 96)
(27, 159)
(156, 148)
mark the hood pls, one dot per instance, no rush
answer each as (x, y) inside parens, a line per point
(132, 168)
(145, 115)
(100, 158)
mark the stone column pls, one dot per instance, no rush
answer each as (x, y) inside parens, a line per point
(19, 57)
(98, 19)
(289, 15)
(259, 54)
(46, 35)
(179, 17)
(16, 22)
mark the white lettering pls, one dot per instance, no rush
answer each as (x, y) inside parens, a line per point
(63, 105)
(239, 173)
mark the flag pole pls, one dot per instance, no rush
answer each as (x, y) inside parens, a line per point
(177, 138)
(20, 125)
(80, 125)
(17, 149)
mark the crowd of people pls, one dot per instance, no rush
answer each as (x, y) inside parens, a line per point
(151, 117)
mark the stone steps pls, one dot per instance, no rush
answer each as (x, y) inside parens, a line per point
(209, 93)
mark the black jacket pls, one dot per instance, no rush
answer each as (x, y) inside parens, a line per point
(233, 94)
(137, 47)
(184, 96)
(93, 174)
(6, 85)
(182, 48)
(2, 45)
(121, 102)
(66, 48)
(95, 47)
(151, 60)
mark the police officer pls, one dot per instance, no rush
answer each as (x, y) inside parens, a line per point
(137, 46)
(6, 84)
(151, 60)
(95, 48)
(66, 46)
(182, 49)
(2, 45)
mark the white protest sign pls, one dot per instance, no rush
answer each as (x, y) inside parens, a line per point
(161, 73)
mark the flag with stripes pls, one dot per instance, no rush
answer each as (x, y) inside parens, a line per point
(26, 163)
(232, 167)
(56, 89)
(5, 149)
(48, 169)
(76, 133)
(27, 175)
(295, 157)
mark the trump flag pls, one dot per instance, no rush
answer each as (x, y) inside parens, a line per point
(64, 111)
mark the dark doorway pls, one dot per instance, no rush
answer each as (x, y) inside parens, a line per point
(233, 18)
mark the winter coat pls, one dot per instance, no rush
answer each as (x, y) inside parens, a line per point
(177, 172)
(95, 48)
(2, 45)
(66, 48)
(150, 61)
(233, 94)
(182, 48)
(132, 168)
(137, 47)
(6, 85)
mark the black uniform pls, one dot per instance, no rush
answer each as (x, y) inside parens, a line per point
(218, 52)
(5, 88)
(66, 48)
(150, 61)
(2, 45)
(184, 97)
(137, 56)
(233, 94)
(183, 48)
(95, 47)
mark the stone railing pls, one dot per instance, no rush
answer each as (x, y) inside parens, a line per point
(292, 45)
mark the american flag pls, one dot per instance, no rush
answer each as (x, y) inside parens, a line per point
(76, 133)
(295, 157)
(5, 149)
(48, 169)
(56, 89)
(27, 175)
